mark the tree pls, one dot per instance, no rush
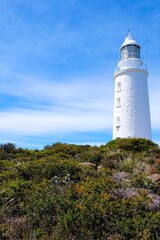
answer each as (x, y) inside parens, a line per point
(8, 147)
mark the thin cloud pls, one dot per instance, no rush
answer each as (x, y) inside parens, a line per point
(90, 93)
(43, 122)
(79, 104)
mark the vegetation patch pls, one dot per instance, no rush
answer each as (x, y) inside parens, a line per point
(75, 192)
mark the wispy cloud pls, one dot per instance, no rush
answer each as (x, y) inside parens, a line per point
(74, 91)
(77, 104)
(44, 122)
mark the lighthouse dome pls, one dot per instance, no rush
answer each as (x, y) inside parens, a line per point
(129, 40)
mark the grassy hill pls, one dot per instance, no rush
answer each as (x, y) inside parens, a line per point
(73, 192)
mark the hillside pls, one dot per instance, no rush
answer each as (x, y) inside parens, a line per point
(74, 192)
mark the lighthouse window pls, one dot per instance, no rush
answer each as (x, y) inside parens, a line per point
(118, 86)
(130, 51)
(118, 102)
(117, 123)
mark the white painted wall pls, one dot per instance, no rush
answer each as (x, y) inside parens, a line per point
(134, 112)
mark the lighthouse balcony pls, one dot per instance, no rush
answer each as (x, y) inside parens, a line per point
(130, 64)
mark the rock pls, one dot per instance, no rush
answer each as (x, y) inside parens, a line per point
(128, 193)
(121, 176)
(154, 177)
(155, 204)
(88, 164)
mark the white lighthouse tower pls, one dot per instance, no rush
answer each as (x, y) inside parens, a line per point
(131, 101)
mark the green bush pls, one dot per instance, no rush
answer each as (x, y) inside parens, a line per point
(132, 144)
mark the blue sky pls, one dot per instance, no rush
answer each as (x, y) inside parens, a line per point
(57, 59)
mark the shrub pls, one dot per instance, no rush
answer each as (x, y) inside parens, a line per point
(132, 144)
(112, 160)
(8, 147)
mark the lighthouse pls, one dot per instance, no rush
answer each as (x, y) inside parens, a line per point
(131, 101)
